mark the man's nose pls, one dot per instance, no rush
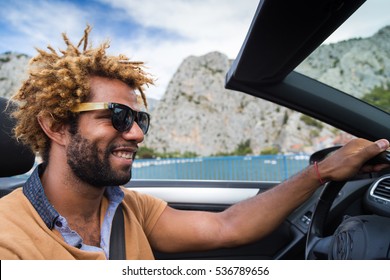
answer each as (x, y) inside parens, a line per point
(135, 133)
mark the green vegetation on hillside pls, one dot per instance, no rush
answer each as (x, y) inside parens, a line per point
(312, 122)
(379, 97)
(244, 148)
(146, 152)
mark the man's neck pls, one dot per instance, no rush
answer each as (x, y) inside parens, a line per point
(74, 199)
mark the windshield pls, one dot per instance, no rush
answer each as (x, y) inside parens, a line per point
(355, 58)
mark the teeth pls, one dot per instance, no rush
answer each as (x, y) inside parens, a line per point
(125, 155)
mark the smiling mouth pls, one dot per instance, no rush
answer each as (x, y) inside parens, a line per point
(122, 154)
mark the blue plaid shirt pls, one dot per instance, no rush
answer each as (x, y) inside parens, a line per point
(33, 190)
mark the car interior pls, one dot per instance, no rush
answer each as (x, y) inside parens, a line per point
(16, 159)
(342, 220)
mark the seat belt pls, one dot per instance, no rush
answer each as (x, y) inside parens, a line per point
(117, 238)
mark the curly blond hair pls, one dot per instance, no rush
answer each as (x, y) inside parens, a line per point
(58, 82)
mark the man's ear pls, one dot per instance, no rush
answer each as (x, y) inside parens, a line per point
(56, 132)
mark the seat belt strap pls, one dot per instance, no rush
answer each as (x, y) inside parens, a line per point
(117, 238)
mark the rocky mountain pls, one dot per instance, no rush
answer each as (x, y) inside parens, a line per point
(198, 115)
(355, 66)
(13, 69)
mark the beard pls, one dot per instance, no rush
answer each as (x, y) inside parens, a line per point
(84, 161)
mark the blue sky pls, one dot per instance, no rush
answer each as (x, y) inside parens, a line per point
(160, 32)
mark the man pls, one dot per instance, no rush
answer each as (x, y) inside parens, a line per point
(80, 112)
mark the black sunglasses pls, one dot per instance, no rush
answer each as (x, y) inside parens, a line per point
(122, 116)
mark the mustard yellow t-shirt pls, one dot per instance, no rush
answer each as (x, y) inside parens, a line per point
(24, 235)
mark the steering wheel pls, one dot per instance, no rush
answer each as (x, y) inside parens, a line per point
(359, 237)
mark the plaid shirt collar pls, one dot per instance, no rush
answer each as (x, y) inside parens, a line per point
(33, 190)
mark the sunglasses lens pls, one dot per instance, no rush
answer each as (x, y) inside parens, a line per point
(143, 121)
(122, 118)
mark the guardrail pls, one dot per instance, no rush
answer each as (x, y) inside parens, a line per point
(247, 168)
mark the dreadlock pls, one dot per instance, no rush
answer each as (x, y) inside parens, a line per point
(57, 82)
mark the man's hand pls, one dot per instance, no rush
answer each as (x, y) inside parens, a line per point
(351, 158)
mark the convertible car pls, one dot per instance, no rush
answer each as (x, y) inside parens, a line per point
(342, 220)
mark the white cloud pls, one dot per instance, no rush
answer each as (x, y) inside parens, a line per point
(36, 23)
(362, 23)
(199, 19)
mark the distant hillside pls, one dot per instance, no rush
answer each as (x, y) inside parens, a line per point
(13, 67)
(355, 66)
(198, 115)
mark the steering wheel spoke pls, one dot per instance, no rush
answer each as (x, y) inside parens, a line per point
(317, 245)
(320, 248)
